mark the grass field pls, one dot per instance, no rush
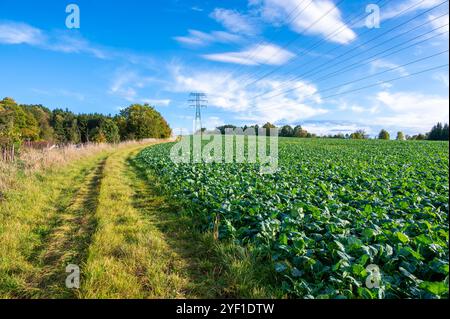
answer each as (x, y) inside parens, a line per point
(333, 211)
(104, 214)
(140, 226)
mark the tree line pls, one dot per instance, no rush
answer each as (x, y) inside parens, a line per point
(439, 132)
(285, 131)
(36, 123)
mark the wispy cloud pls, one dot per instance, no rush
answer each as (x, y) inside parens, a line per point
(156, 102)
(128, 85)
(124, 85)
(74, 43)
(199, 38)
(20, 33)
(443, 78)
(356, 108)
(198, 9)
(235, 22)
(65, 41)
(309, 17)
(402, 8)
(244, 103)
(256, 55)
(440, 22)
(383, 64)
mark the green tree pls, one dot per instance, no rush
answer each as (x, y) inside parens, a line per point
(10, 135)
(224, 127)
(359, 135)
(439, 132)
(384, 135)
(43, 117)
(287, 131)
(143, 121)
(22, 119)
(400, 136)
(110, 130)
(267, 127)
(300, 132)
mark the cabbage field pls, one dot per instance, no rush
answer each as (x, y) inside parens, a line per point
(333, 208)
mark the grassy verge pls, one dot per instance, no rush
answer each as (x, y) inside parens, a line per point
(127, 258)
(33, 215)
(47, 205)
(143, 247)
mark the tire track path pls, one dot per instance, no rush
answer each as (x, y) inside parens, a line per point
(68, 241)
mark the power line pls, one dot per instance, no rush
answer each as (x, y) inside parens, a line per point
(363, 61)
(399, 67)
(387, 81)
(199, 100)
(288, 43)
(359, 46)
(251, 55)
(377, 74)
(319, 42)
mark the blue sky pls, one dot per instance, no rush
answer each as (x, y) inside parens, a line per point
(283, 61)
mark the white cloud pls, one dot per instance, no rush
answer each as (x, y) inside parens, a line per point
(333, 128)
(199, 38)
(129, 84)
(401, 8)
(124, 84)
(75, 44)
(156, 102)
(20, 33)
(414, 111)
(442, 77)
(309, 17)
(383, 64)
(353, 108)
(438, 22)
(211, 122)
(231, 97)
(255, 55)
(235, 22)
(65, 41)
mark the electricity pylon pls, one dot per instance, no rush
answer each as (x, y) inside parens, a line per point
(198, 100)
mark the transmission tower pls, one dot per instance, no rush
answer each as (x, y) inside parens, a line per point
(198, 100)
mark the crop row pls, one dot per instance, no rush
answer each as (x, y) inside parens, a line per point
(333, 210)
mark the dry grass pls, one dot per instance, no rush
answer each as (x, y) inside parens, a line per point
(41, 193)
(33, 161)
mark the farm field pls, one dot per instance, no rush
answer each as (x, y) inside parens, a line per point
(140, 226)
(103, 214)
(334, 210)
